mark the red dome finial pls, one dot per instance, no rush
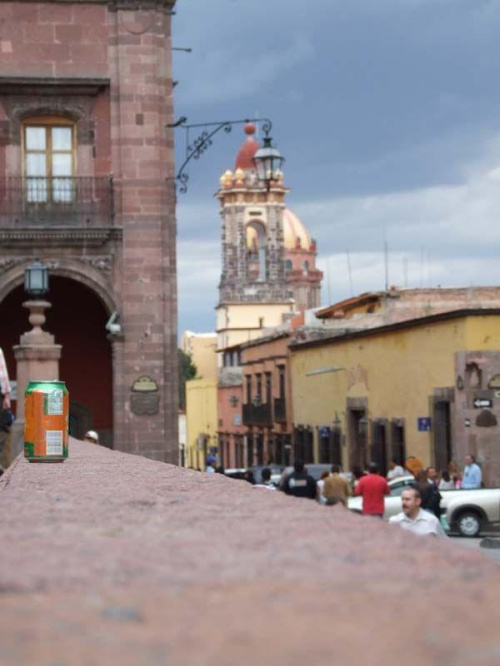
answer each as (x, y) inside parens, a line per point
(244, 159)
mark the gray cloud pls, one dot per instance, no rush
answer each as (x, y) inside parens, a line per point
(387, 113)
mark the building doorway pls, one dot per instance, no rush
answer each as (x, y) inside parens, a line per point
(442, 434)
(357, 428)
(379, 445)
(398, 442)
(77, 319)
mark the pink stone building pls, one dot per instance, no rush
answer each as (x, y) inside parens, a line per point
(86, 167)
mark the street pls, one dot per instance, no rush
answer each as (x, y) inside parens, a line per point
(474, 544)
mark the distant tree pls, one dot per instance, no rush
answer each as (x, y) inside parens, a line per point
(187, 371)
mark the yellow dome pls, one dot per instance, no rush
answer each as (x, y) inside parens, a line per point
(294, 231)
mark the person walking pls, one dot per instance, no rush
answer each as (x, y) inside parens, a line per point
(473, 475)
(446, 482)
(320, 486)
(373, 489)
(336, 488)
(5, 391)
(266, 480)
(429, 493)
(299, 483)
(395, 470)
(413, 518)
(210, 467)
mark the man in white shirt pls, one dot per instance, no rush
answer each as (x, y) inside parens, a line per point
(415, 519)
(395, 470)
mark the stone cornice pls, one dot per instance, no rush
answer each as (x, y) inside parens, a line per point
(166, 5)
(29, 237)
(23, 85)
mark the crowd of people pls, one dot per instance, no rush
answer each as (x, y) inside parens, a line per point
(420, 501)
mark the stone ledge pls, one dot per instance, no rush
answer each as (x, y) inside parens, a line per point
(60, 237)
(115, 557)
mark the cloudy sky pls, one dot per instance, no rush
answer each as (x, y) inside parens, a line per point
(388, 114)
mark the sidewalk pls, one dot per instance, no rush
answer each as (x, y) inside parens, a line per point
(116, 559)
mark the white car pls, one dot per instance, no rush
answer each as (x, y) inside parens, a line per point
(468, 512)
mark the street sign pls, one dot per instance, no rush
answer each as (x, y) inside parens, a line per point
(424, 423)
(482, 403)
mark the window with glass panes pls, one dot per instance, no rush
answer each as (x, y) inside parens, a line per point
(49, 160)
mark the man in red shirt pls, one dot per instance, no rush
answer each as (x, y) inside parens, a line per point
(372, 489)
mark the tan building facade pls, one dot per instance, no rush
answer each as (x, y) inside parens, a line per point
(424, 388)
(267, 414)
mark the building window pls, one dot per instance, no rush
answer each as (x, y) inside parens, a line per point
(269, 387)
(49, 160)
(249, 388)
(281, 371)
(288, 265)
(258, 394)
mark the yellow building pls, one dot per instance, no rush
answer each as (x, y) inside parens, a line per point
(428, 388)
(202, 349)
(201, 398)
(201, 421)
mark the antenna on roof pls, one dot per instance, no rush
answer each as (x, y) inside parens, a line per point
(386, 263)
(421, 266)
(328, 284)
(405, 271)
(349, 271)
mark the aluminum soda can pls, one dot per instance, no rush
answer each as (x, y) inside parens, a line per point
(46, 422)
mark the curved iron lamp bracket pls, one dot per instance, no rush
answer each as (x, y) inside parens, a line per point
(196, 148)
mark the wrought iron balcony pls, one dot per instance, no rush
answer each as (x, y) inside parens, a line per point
(280, 410)
(57, 201)
(257, 416)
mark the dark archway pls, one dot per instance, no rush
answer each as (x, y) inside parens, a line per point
(77, 319)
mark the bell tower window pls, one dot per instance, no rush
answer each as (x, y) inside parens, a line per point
(49, 160)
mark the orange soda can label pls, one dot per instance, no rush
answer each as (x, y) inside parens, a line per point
(46, 422)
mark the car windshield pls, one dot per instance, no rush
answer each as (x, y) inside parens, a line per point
(397, 488)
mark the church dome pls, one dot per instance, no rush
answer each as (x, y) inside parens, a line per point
(244, 159)
(295, 233)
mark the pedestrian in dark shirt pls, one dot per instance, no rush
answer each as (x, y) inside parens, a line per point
(299, 483)
(431, 497)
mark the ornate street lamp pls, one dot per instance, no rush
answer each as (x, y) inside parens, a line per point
(36, 280)
(268, 160)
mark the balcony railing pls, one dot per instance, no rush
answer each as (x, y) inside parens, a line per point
(56, 201)
(280, 410)
(257, 416)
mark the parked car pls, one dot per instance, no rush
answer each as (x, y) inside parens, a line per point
(468, 512)
(241, 473)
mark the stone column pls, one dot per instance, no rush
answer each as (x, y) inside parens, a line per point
(37, 358)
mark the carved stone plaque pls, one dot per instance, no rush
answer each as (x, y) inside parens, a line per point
(145, 384)
(486, 419)
(145, 404)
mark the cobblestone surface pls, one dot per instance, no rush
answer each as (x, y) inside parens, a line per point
(115, 557)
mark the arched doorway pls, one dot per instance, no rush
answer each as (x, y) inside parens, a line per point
(77, 319)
